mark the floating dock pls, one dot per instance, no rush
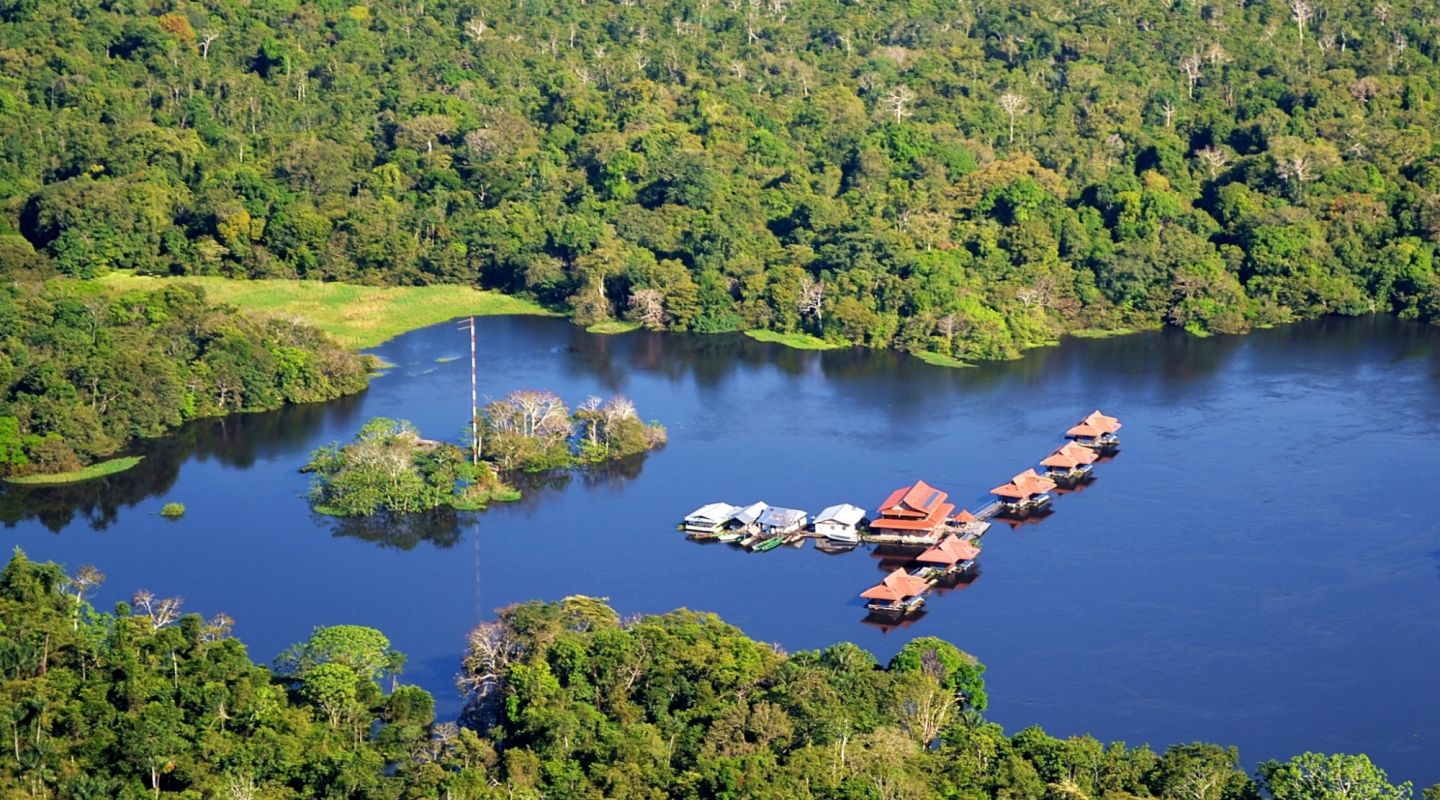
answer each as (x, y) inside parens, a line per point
(932, 544)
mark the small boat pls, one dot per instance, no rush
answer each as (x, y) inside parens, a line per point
(844, 536)
(729, 537)
(766, 544)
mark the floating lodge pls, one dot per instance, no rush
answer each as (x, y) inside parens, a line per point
(1070, 465)
(954, 556)
(1025, 495)
(1097, 432)
(898, 595)
(916, 512)
(915, 516)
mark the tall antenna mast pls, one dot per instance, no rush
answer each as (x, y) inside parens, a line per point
(474, 398)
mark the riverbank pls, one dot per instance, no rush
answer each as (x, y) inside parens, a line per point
(96, 470)
(356, 316)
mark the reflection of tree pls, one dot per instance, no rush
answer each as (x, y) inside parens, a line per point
(444, 528)
(238, 440)
(441, 528)
(534, 486)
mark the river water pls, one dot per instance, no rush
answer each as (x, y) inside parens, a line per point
(1260, 566)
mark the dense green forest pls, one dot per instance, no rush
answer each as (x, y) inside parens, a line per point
(964, 178)
(566, 700)
(83, 371)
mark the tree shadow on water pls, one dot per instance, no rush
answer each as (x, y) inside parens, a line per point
(441, 528)
(444, 528)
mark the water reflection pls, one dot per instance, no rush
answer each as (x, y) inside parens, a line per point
(442, 528)
(238, 441)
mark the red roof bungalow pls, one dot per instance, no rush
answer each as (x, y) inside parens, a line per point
(1070, 465)
(952, 555)
(1097, 432)
(1025, 494)
(899, 594)
(918, 511)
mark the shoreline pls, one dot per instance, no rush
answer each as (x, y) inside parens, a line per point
(100, 469)
(361, 317)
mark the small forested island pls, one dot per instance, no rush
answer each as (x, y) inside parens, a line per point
(84, 371)
(563, 699)
(533, 431)
(390, 468)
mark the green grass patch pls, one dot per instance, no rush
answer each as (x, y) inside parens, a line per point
(1102, 333)
(799, 341)
(356, 316)
(98, 470)
(613, 326)
(482, 501)
(941, 360)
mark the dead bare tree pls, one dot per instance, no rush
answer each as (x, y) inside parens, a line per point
(530, 412)
(1398, 45)
(898, 100)
(217, 628)
(160, 612)
(1192, 67)
(206, 39)
(1214, 160)
(647, 307)
(1216, 54)
(590, 417)
(241, 787)
(1302, 12)
(87, 577)
(617, 409)
(947, 326)
(490, 650)
(1012, 104)
(811, 302)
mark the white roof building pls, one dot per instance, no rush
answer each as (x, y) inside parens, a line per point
(843, 514)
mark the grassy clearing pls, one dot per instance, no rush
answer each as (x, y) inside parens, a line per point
(613, 326)
(1102, 333)
(799, 341)
(357, 316)
(941, 360)
(98, 470)
(483, 501)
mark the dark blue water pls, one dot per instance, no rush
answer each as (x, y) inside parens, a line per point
(1259, 567)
